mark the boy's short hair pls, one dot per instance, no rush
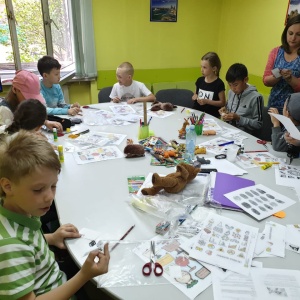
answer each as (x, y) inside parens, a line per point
(47, 63)
(236, 72)
(29, 115)
(127, 67)
(22, 153)
(293, 106)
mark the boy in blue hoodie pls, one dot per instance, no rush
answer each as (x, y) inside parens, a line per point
(244, 105)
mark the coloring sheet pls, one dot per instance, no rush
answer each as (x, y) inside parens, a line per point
(251, 160)
(259, 201)
(261, 283)
(98, 139)
(234, 135)
(293, 237)
(213, 145)
(287, 175)
(122, 109)
(225, 243)
(159, 113)
(211, 124)
(187, 274)
(97, 154)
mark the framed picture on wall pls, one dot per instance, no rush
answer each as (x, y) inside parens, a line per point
(292, 10)
(163, 10)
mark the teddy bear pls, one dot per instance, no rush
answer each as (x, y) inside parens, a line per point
(167, 106)
(172, 183)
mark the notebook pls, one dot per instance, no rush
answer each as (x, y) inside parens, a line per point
(226, 183)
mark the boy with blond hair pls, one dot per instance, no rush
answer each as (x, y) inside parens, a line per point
(29, 171)
(127, 89)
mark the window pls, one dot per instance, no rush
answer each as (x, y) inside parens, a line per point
(31, 29)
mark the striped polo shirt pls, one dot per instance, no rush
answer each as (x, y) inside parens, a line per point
(26, 262)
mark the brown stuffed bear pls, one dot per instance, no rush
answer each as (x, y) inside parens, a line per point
(172, 183)
(167, 106)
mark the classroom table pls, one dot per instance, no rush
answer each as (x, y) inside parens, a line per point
(95, 196)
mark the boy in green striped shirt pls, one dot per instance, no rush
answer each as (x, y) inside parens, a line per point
(29, 171)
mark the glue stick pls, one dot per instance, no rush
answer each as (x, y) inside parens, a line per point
(55, 134)
(266, 166)
(60, 150)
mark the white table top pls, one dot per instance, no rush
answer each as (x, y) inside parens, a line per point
(95, 196)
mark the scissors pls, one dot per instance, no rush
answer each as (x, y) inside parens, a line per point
(147, 268)
(262, 142)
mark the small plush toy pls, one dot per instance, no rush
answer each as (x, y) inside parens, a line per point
(133, 150)
(172, 183)
(167, 106)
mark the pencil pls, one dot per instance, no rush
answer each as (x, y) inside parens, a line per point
(123, 237)
(182, 109)
(269, 162)
(256, 151)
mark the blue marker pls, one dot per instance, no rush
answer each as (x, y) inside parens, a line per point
(227, 143)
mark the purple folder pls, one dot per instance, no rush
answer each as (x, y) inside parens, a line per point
(226, 183)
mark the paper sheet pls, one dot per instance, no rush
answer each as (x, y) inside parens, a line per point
(288, 124)
(287, 175)
(225, 243)
(122, 109)
(97, 154)
(160, 113)
(261, 283)
(224, 166)
(259, 201)
(293, 237)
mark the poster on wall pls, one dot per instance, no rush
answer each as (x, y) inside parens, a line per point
(292, 10)
(163, 10)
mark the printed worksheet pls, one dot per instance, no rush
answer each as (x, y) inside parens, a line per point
(97, 154)
(251, 160)
(160, 113)
(187, 274)
(122, 109)
(287, 175)
(261, 283)
(259, 201)
(293, 237)
(99, 139)
(213, 145)
(225, 243)
(273, 238)
(211, 124)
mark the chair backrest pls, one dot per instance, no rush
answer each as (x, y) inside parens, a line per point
(180, 97)
(103, 95)
(266, 131)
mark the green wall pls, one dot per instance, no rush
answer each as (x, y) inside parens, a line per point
(238, 30)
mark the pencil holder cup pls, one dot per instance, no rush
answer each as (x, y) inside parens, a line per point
(199, 129)
(143, 132)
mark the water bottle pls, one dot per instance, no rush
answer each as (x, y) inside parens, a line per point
(190, 143)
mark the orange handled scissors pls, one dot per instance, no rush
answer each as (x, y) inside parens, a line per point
(147, 268)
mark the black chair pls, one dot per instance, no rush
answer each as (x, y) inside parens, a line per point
(103, 95)
(180, 97)
(266, 131)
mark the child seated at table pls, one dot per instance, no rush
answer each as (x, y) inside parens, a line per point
(280, 137)
(127, 89)
(49, 69)
(30, 115)
(244, 105)
(29, 170)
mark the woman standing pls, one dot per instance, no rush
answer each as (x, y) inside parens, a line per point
(282, 71)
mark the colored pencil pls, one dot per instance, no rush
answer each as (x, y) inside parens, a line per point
(256, 151)
(123, 237)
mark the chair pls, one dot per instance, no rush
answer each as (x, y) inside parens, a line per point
(103, 95)
(180, 97)
(266, 131)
